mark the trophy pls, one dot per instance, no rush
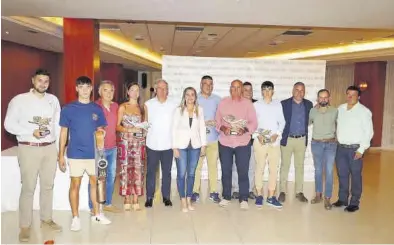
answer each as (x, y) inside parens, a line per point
(102, 165)
(235, 124)
(43, 124)
(266, 134)
(210, 123)
(143, 125)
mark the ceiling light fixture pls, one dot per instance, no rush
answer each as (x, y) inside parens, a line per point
(114, 41)
(358, 47)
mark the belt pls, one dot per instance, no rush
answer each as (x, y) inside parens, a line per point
(353, 146)
(36, 144)
(324, 140)
(297, 136)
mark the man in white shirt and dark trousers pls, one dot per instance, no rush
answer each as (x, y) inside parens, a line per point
(266, 144)
(33, 117)
(354, 134)
(159, 113)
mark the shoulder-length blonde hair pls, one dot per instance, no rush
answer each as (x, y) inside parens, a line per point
(183, 101)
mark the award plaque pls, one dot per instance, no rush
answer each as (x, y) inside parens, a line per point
(102, 165)
(43, 124)
(266, 134)
(235, 124)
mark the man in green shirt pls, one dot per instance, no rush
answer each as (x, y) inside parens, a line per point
(324, 146)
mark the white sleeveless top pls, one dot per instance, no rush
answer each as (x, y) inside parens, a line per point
(160, 115)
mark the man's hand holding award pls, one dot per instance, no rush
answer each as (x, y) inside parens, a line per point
(237, 126)
(265, 136)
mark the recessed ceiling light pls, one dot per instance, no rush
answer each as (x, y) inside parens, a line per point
(139, 38)
(32, 31)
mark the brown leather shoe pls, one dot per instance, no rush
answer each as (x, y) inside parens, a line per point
(282, 197)
(300, 196)
(317, 198)
(51, 224)
(24, 235)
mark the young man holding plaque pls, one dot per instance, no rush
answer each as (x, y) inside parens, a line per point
(33, 117)
(236, 120)
(266, 143)
(209, 102)
(81, 120)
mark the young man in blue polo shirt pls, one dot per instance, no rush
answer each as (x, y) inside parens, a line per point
(82, 118)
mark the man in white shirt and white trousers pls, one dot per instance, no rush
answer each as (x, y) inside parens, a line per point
(34, 118)
(354, 134)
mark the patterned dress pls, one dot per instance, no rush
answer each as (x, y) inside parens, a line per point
(131, 156)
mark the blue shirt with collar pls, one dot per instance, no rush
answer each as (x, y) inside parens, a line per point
(210, 105)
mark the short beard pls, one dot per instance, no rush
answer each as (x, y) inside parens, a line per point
(39, 91)
(323, 104)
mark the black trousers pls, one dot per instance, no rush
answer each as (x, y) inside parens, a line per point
(153, 158)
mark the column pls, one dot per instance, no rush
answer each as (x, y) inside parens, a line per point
(114, 72)
(374, 74)
(81, 53)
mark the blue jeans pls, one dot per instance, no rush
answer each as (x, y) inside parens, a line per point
(346, 167)
(186, 164)
(323, 158)
(110, 155)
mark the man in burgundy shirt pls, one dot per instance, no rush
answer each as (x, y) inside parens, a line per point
(234, 140)
(110, 109)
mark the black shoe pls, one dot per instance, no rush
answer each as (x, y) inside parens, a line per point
(301, 197)
(252, 195)
(339, 204)
(351, 208)
(282, 197)
(167, 202)
(235, 195)
(149, 203)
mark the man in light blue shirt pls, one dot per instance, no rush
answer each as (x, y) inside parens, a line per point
(209, 102)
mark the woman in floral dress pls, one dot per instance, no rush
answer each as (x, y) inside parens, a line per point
(131, 149)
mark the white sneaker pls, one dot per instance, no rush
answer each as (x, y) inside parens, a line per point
(244, 205)
(75, 224)
(101, 219)
(224, 203)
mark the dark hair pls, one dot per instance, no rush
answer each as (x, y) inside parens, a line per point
(299, 83)
(42, 72)
(267, 84)
(354, 88)
(128, 86)
(247, 84)
(83, 80)
(206, 77)
(323, 90)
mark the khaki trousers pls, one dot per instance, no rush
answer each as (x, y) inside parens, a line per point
(297, 147)
(212, 154)
(261, 154)
(33, 162)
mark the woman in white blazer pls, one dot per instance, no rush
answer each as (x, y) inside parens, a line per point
(188, 143)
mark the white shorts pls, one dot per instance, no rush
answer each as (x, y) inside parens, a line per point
(79, 166)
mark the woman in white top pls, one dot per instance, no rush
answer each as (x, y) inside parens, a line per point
(189, 141)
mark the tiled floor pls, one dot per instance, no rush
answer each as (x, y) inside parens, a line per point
(296, 223)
